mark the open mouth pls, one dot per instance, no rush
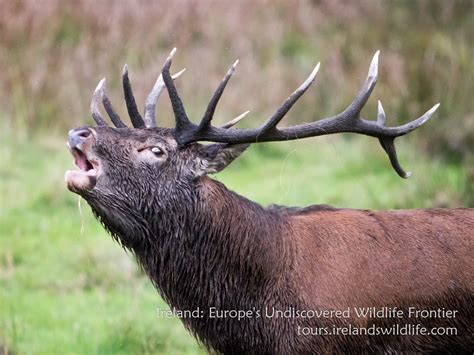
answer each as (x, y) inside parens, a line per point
(81, 161)
(86, 177)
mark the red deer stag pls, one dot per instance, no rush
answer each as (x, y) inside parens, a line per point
(273, 280)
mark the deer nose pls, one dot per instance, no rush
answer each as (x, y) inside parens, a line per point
(78, 136)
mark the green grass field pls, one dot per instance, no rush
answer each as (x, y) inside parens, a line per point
(66, 287)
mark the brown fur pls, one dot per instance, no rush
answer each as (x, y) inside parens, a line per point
(378, 258)
(204, 246)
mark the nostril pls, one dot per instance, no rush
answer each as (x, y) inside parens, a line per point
(84, 134)
(81, 133)
(78, 136)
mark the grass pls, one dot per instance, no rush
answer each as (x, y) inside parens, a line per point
(63, 290)
(66, 287)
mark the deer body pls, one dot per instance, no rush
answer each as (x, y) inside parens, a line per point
(316, 258)
(206, 248)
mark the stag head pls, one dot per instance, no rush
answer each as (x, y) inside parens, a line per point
(143, 169)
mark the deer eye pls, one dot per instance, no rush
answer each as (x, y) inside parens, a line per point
(157, 151)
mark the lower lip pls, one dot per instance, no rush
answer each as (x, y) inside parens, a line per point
(78, 181)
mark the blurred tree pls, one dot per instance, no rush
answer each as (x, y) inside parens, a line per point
(53, 53)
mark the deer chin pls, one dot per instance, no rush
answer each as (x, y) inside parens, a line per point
(85, 178)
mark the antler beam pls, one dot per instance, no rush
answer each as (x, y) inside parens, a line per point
(347, 121)
(187, 132)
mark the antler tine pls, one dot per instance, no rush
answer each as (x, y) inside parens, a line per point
(380, 114)
(347, 121)
(211, 107)
(272, 122)
(353, 110)
(135, 117)
(182, 121)
(234, 121)
(96, 98)
(388, 143)
(410, 126)
(116, 120)
(150, 105)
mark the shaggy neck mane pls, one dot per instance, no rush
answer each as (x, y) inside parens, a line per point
(209, 250)
(216, 249)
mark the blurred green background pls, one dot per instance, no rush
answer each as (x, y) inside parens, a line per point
(65, 286)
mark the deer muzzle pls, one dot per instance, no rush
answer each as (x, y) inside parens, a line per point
(80, 144)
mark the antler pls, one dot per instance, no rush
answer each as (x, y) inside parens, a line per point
(153, 99)
(149, 119)
(347, 121)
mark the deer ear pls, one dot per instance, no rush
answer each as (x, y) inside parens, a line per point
(215, 157)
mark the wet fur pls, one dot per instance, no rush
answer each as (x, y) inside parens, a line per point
(204, 246)
(217, 249)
